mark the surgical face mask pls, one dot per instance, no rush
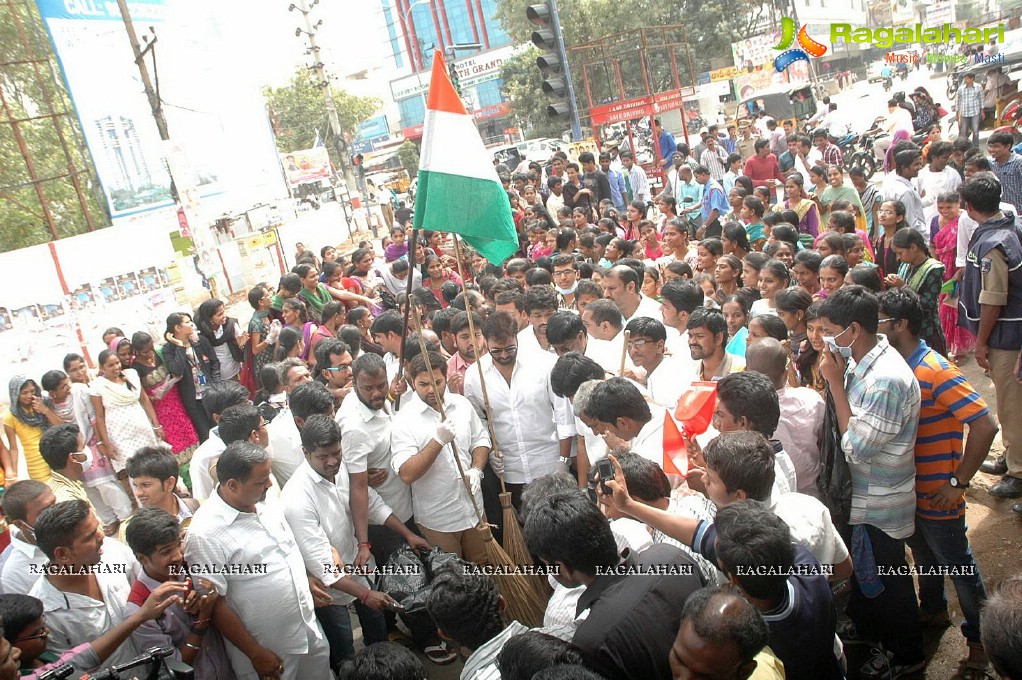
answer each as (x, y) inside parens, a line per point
(87, 463)
(568, 291)
(846, 352)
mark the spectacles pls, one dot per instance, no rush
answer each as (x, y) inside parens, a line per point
(44, 632)
(345, 368)
(879, 321)
(513, 349)
(638, 344)
(565, 272)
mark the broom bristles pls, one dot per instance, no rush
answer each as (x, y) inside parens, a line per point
(514, 545)
(524, 604)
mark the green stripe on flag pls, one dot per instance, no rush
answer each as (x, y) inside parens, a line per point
(476, 209)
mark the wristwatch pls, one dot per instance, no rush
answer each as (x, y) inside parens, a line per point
(957, 483)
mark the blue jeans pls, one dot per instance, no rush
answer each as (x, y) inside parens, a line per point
(943, 543)
(336, 622)
(970, 125)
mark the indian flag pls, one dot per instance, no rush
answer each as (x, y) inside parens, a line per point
(459, 191)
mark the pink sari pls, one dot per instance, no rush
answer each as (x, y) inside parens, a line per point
(959, 340)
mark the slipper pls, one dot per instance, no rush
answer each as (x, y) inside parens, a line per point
(977, 671)
(439, 654)
(398, 637)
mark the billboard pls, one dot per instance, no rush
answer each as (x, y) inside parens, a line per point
(219, 122)
(754, 63)
(306, 165)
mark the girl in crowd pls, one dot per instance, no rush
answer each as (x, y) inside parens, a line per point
(806, 270)
(767, 326)
(163, 392)
(833, 270)
(650, 242)
(773, 278)
(362, 319)
(792, 304)
(736, 314)
(811, 353)
(818, 182)
(892, 219)
(752, 265)
(735, 198)
(30, 414)
(728, 275)
(289, 344)
(125, 418)
(296, 316)
(674, 270)
(798, 200)
(945, 240)
(288, 287)
(830, 243)
(783, 251)
(398, 247)
(707, 253)
(869, 197)
(608, 226)
(361, 272)
(709, 287)
(676, 247)
(855, 249)
(580, 217)
(438, 276)
(616, 249)
(924, 275)
(261, 333)
(191, 359)
(836, 190)
(271, 398)
(225, 334)
(860, 226)
(735, 240)
(667, 205)
(867, 276)
(634, 213)
(651, 283)
(313, 293)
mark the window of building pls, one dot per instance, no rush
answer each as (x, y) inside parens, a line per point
(489, 93)
(413, 111)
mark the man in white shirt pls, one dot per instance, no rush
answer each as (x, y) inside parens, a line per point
(801, 412)
(678, 299)
(23, 502)
(424, 446)
(236, 528)
(898, 118)
(616, 407)
(365, 435)
(602, 320)
(387, 331)
(68, 534)
(217, 397)
(316, 503)
(646, 348)
(532, 425)
(898, 186)
(566, 332)
(285, 440)
(936, 178)
(540, 304)
(621, 285)
(573, 377)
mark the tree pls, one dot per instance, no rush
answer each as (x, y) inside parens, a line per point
(298, 112)
(523, 91)
(37, 116)
(408, 154)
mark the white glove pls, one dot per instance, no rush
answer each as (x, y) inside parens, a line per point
(475, 479)
(274, 332)
(444, 433)
(497, 462)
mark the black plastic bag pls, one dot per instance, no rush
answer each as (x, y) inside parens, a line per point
(408, 576)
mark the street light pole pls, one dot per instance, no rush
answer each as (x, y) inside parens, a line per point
(418, 72)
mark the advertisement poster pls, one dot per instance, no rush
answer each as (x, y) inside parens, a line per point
(306, 165)
(754, 62)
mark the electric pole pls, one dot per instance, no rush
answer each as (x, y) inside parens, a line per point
(340, 146)
(150, 92)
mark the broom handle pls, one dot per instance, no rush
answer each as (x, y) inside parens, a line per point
(408, 306)
(624, 352)
(442, 411)
(478, 362)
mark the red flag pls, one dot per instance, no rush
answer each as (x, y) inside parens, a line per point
(696, 406)
(675, 451)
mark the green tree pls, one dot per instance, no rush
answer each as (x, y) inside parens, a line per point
(523, 90)
(408, 154)
(38, 121)
(298, 111)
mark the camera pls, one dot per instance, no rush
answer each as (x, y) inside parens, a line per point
(152, 664)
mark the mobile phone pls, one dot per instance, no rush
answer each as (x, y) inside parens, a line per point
(188, 588)
(606, 471)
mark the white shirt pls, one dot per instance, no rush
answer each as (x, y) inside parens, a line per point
(529, 420)
(276, 606)
(799, 430)
(811, 526)
(596, 446)
(21, 569)
(649, 442)
(761, 306)
(784, 475)
(74, 619)
(932, 184)
(554, 203)
(393, 366)
(529, 347)
(202, 481)
(365, 440)
(319, 514)
(285, 446)
(677, 345)
(897, 188)
(900, 119)
(439, 499)
(648, 307)
(229, 368)
(665, 383)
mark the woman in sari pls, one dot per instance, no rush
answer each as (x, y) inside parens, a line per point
(960, 340)
(924, 275)
(125, 418)
(164, 393)
(30, 414)
(798, 200)
(192, 359)
(260, 330)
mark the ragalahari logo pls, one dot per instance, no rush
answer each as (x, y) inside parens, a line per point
(807, 46)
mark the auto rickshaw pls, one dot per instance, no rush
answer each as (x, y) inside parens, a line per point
(795, 103)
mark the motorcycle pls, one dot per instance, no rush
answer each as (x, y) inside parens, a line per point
(888, 84)
(1013, 116)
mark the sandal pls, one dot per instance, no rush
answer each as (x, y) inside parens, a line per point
(439, 654)
(398, 637)
(977, 665)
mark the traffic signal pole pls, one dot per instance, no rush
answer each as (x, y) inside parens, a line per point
(576, 124)
(556, 61)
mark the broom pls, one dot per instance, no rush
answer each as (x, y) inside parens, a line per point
(514, 540)
(524, 604)
(624, 352)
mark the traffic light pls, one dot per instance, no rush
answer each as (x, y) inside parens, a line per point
(453, 73)
(553, 63)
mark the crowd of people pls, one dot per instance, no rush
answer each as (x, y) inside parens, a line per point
(231, 490)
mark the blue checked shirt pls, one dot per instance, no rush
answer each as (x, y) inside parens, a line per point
(880, 441)
(970, 100)
(1010, 174)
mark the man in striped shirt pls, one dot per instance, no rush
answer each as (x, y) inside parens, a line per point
(943, 473)
(876, 398)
